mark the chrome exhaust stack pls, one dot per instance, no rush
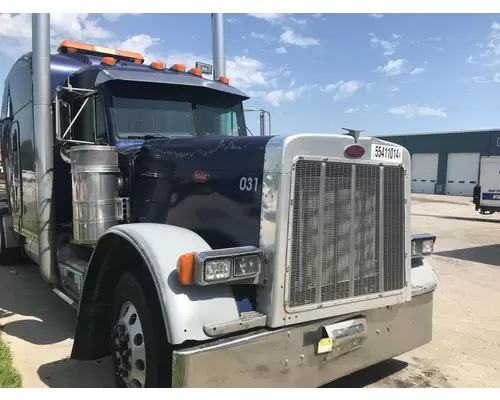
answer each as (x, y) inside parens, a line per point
(43, 134)
(218, 54)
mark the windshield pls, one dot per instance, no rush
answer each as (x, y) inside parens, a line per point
(141, 109)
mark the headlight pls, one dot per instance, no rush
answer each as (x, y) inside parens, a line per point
(220, 266)
(422, 244)
(427, 246)
(217, 270)
(247, 265)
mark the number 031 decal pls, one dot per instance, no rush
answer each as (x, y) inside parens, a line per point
(249, 184)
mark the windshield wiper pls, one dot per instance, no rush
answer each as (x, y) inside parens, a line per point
(155, 136)
(148, 136)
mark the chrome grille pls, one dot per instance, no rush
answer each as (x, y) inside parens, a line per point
(347, 231)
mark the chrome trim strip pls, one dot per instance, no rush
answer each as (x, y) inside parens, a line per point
(352, 233)
(381, 233)
(321, 229)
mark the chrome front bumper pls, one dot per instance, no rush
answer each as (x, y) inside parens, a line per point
(289, 357)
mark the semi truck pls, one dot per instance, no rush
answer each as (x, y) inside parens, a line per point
(486, 196)
(195, 254)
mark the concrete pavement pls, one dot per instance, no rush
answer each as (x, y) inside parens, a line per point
(465, 351)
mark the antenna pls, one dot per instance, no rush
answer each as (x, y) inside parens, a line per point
(354, 133)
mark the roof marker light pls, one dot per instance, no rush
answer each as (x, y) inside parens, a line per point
(68, 46)
(157, 65)
(195, 71)
(178, 68)
(224, 79)
(108, 61)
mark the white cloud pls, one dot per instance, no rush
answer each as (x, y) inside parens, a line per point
(393, 67)
(412, 110)
(276, 97)
(351, 110)
(417, 71)
(262, 36)
(111, 16)
(290, 37)
(140, 44)
(244, 72)
(281, 50)
(489, 56)
(435, 38)
(15, 31)
(377, 16)
(298, 21)
(388, 47)
(480, 79)
(271, 17)
(231, 20)
(343, 89)
(496, 77)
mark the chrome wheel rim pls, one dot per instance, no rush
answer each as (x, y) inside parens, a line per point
(129, 347)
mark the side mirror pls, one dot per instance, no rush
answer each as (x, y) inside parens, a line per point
(62, 118)
(262, 118)
(263, 122)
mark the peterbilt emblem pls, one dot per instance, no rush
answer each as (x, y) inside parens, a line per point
(201, 176)
(354, 151)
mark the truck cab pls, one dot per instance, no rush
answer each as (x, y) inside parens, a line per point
(184, 243)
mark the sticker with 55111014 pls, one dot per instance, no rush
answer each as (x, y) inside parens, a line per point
(325, 345)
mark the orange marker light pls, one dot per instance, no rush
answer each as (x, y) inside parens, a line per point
(196, 71)
(68, 46)
(185, 268)
(223, 79)
(108, 60)
(157, 65)
(178, 67)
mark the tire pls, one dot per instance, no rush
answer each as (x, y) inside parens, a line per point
(10, 256)
(138, 332)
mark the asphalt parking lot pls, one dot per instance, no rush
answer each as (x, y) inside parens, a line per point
(464, 352)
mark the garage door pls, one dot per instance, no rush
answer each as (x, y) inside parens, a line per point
(462, 173)
(424, 171)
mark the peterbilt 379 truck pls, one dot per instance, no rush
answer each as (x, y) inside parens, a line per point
(198, 255)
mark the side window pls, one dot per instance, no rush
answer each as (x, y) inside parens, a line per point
(101, 131)
(229, 123)
(77, 131)
(5, 101)
(20, 85)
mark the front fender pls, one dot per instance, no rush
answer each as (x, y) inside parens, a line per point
(423, 276)
(185, 308)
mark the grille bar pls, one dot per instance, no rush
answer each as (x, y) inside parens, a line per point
(347, 231)
(322, 179)
(352, 238)
(381, 230)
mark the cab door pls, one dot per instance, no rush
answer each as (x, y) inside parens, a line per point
(14, 181)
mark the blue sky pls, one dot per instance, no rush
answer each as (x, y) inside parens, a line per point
(387, 74)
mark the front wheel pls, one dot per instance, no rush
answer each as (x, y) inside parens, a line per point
(139, 348)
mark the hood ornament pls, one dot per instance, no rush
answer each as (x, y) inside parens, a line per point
(354, 133)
